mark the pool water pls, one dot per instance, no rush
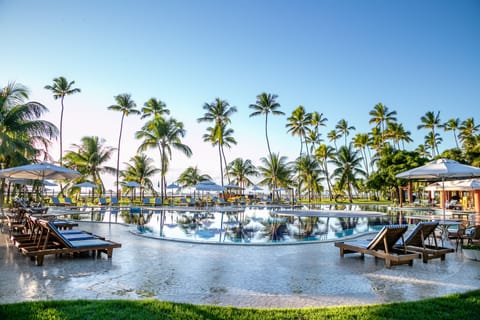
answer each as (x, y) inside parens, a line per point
(247, 225)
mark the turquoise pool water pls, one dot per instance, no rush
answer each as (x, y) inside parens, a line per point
(254, 225)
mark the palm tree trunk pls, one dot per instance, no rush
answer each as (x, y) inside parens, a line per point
(61, 133)
(266, 136)
(225, 164)
(221, 163)
(118, 155)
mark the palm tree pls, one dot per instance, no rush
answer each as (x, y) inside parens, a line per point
(61, 88)
(348, 168)
(308, 173)
(324, 154)
(89, 158)
(343, 129)
(266, 103)
(191, 176)
(126, 106)
(313, 137)
(275, 172)
(361, 142)
(219, 112)
(431, 141)
(431, 121)
(381, 117)
(298, 124)
(155, 108)
(241, 169)
(333, 136)
(397, 133)
(164, 135)
(23, 137)
(141, 170)
(452, 124)
(468, 131)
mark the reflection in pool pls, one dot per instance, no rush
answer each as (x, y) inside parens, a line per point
(248, 225)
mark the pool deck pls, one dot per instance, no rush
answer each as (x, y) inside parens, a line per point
(242, 276)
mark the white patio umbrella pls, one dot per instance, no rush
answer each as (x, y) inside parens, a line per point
(87, 184)
(455, 185)
(441, 170)
(132, 185)
(208, 185)
(39, 171)
(173, 186)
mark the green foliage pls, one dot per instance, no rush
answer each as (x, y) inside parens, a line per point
(461, 306)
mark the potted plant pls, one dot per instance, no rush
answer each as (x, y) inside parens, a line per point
(471, 251)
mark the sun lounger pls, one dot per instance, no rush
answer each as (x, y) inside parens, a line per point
(102, 201)
(158, 202)
(382, 246)
(57, 243)
(422, 239)
(146, 201)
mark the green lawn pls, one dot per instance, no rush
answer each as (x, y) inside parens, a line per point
(457, 306)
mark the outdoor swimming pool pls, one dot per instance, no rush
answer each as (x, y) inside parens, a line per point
(254, 225)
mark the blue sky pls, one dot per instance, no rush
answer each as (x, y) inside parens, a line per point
(339, 58)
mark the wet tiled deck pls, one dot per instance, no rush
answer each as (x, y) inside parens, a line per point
(265, 276)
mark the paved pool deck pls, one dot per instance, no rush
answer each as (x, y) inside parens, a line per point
(242, 276)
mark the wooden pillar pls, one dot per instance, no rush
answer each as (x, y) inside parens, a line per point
(476, 201)
(409, 188)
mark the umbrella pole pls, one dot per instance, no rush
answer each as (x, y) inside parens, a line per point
(443, 198)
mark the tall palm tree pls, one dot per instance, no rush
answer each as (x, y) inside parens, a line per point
(348, 168)
(266, 104)
(333, 136)
(317, 120)
(191, 176)
(453, 125)
(361, 142)
(89, 158)
(432, 140)
(141, 169)
(61, 88)
(220, 137)
(219, 112)
(241, 170)
(154, 107)
(298, 124)
(126, 106)
(276, 172)
(397, 133)
(468, 131)
(324, 154)
(308, 173)
(23, 137)
(381, 117)
(343, 129)
(431, 121)
(164, 135)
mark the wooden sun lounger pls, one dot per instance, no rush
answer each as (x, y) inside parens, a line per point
(63, 245)
(418, 241)
(382, 246)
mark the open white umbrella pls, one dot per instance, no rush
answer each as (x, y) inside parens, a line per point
(441, 170)
(39, 171)
(87, 184)
(208, 185)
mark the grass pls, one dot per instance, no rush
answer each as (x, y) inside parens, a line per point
(458, 306)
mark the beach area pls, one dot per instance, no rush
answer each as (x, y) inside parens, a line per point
(293, 276)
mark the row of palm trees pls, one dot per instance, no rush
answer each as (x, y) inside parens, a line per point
(353, 162)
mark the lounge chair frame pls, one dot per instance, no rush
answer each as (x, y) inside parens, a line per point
(422, 239)
(55, 243)
(382, 246)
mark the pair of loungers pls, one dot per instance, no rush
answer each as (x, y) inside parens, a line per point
(389, 244)
(46, 238)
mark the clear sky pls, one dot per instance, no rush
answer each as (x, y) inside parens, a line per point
(339, 58)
